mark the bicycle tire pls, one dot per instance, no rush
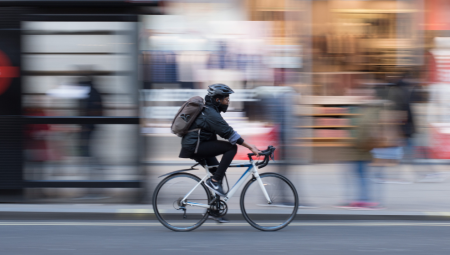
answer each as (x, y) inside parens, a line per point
(290, 216)
(158, 212)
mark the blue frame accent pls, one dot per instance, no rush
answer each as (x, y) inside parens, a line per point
(246, 171)
(242, 165)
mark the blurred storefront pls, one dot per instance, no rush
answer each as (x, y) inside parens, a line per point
(252, 46)
(354, 44)
(437, 60)
(69, 68)
(148, 57)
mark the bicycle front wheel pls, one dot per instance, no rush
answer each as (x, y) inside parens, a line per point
(269, 217)
(169, 209)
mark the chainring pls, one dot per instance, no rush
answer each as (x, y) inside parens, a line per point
(218, 212)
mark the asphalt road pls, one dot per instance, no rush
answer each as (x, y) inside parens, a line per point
(149, 237)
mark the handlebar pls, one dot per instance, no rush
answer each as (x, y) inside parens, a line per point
(268, 154)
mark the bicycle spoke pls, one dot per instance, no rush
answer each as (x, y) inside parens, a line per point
(168, 205)
(269, 217)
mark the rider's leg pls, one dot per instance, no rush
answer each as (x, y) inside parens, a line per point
(227, 158)
(214, 148)
(212, 161)
(210, 149)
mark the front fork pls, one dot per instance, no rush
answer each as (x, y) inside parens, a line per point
(261, 184)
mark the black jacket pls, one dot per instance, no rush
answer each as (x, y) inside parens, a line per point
(91, 106)
(400, 94)
(212, 124)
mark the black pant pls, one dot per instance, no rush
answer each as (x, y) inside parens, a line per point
(209, 151)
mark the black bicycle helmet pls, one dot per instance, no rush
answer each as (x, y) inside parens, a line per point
(219, 90)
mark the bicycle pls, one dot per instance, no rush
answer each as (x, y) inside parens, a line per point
(182, 202)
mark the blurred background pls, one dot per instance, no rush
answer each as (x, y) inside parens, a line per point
(88, 90)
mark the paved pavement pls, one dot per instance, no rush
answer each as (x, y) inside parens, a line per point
(140, 212)
(146, 237)
(322, 185)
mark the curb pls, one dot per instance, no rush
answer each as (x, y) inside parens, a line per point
(146, 214)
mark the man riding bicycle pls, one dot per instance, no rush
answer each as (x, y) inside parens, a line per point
(211, 124)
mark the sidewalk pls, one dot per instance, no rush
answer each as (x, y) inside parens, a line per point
(145, 212)
(322, 186)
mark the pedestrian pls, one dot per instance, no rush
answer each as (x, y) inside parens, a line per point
(358, 154)
(90, 106)
(398, 126)
(415, 145)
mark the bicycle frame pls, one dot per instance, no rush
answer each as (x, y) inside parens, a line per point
(252, 169)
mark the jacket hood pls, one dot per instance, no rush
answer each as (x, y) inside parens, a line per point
(209, 103)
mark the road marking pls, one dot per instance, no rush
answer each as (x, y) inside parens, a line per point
(236, 224)
(136, 211)
(438, 214)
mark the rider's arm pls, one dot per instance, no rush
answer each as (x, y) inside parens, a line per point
(251, 147)
(218, 125)
(235, 138)
(216, 122)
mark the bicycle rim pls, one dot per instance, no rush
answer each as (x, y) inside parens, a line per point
(269, 217)
(167, 206)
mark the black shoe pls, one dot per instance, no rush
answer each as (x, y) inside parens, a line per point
(219, 219)
(215, 186)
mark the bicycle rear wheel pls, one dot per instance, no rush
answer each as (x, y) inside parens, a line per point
(269, 217)
(167, 202)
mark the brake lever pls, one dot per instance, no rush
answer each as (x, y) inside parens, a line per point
(272, 157)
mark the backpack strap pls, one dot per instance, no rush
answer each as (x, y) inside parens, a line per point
(199, 130)
(198, 140)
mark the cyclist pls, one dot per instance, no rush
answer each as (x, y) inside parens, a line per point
(211, 124)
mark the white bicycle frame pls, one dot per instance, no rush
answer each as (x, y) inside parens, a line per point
(252, 169)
